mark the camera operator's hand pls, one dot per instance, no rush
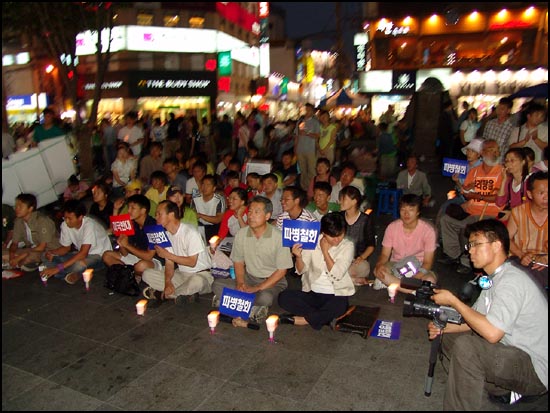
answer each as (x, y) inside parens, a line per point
(433, 330)
(444, 297)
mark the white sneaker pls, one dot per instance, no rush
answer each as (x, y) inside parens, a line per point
(378, 285)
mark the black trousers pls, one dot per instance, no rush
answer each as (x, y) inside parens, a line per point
(318, 309)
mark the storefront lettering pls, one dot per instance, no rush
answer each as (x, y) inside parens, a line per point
(173, 84)
(389, 29)
(105, 85)
(403, 82)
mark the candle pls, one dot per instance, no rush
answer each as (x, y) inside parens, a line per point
(213, 319)
(140, 307)
(271, 323)
(87, 276)
(214, 241)
(392, 291)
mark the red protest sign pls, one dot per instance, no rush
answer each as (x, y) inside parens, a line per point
(122, 225)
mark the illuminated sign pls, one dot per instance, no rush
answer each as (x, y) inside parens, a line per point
(105, 85)
(389, 29)
(263, 9)
(224, 64)
(178, 83)
(404, 82)
(361, 57)
(375, 81)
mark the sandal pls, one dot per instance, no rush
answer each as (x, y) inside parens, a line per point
(72, 278)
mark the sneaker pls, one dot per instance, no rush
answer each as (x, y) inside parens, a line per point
(149, 293)
(215, 301)
(72, 278)
(182, 300)
(378, 285)
(30, 266)
(258, 313)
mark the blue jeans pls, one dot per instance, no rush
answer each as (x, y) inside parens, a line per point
(92, 261)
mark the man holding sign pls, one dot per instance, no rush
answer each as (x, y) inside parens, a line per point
(259, 259)
(131, 237)
(187, 268)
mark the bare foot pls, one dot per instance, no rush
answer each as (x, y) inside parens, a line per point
(239, 322)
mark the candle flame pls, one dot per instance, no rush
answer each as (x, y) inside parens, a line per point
(451, 194)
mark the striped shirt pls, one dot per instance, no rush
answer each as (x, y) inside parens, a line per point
(305, 215)
(530, 237)
(500, 132)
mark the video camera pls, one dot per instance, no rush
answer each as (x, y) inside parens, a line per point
(421, 304)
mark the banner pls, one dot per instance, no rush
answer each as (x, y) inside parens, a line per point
(157, 236)
(122, 225)
(389, 330)
(236, 303)
(455, 166)
(301, 232)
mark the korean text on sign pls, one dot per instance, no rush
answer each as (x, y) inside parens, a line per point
(121, 225)
(236, 303)
(455, 166)
(300, 232)
(156, 235)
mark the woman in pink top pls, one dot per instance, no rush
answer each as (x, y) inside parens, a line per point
(513, 191)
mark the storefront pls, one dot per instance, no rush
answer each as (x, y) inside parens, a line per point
(25, 108)
(156, 94)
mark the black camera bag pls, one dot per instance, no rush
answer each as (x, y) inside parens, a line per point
(358, 319)
(121, 279)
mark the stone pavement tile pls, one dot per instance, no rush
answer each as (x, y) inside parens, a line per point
(50, 354)
(190, 314)
(237, 397)
(15, 382)
(166, 387)
(218, 355)
(103, 372)
(155, 339)
(280, 371)
(106, 407)
(18, 300)
(55, 397)
(105, 324)
(19, 333)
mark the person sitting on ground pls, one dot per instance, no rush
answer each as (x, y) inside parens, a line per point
(33, 234)
(294, 201)
(529, 157)
(186, 272)
(187, 214)
(151, 162)
(360, 230)
(88, 238)
(173, 175)
(503, 345)
(348, 172)
(326, 281)
(480, 188)
(413, 181)
(323, 174)
(236, 216)
(210, 207)
(259, 260)
(134, 249)
(408, 238)
(320, 206)
(76, 189)
(192, 188)
(124, 167)
(120, 205)
(233, 179)
(253, 184)
(528, 229)
(159, 187)
(272, 192)
(289, 169)
(102, 207)
(542, 165)
(513, 190)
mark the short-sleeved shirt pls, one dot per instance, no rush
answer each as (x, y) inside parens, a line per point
(186, 242)
(40, 134)
(305, 215)
(90, 233)
(211, 207)
(42, 229)
(530, 237)
(421, 240)
(486, 183)
(263, 256)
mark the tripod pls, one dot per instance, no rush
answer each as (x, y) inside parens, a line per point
(441, 323)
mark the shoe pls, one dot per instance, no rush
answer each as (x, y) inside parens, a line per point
(258, 313)
(378, 285)
(182, 300)
(215, 301)
(445, 259)
(462, 269)
(149, 293)
(286, 318)
(30, 266)
(500, 399)
(72, 278)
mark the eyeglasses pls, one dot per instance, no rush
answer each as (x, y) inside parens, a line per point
(471, 245)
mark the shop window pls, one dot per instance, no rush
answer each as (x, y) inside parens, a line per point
(196, 22)
(144, 18)
(171, 20)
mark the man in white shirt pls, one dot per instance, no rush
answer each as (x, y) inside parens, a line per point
(89, 238)
(186, 273)
(272, 192)
(210, 207)
(413, 181)
(132, 133)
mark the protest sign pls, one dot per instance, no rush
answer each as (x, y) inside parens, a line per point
(455, 166)
(301, 232)
(122, 225)
(236, 303)
(157, 236)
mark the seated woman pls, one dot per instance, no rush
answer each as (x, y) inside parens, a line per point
(326, 281)
(236, 216)
(102, 207)
(513, 191)
(360, 230)
(188, 216)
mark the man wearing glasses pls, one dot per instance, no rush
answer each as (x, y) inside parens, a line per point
(502, 352)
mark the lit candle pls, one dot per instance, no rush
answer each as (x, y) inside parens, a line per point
(87, 276)
(392, 291)
(271, 323)
(213, 319)
(140, 307)
(44, 278)
(214, 241)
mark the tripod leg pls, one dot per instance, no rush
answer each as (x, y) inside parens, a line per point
(434, 350)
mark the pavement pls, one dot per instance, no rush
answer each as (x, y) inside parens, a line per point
(64, 348)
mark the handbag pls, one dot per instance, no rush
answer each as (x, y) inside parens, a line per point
(121, 279)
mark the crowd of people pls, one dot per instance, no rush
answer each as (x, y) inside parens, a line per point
(193, 180)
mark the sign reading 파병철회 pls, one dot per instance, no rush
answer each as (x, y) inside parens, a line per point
(301, 232)
(455, 166)
(386, 329)
(122, 225)
(157, 236)
(236, 303)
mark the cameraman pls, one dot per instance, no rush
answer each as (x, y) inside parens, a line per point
(506, 349)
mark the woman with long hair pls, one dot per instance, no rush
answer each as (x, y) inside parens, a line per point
(513, 191)
(236, 216)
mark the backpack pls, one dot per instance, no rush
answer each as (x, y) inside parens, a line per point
(121, 279)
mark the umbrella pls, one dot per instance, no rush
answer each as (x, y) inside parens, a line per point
(342, 98)
(537, 91)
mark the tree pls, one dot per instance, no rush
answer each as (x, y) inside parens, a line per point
(50, 29)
